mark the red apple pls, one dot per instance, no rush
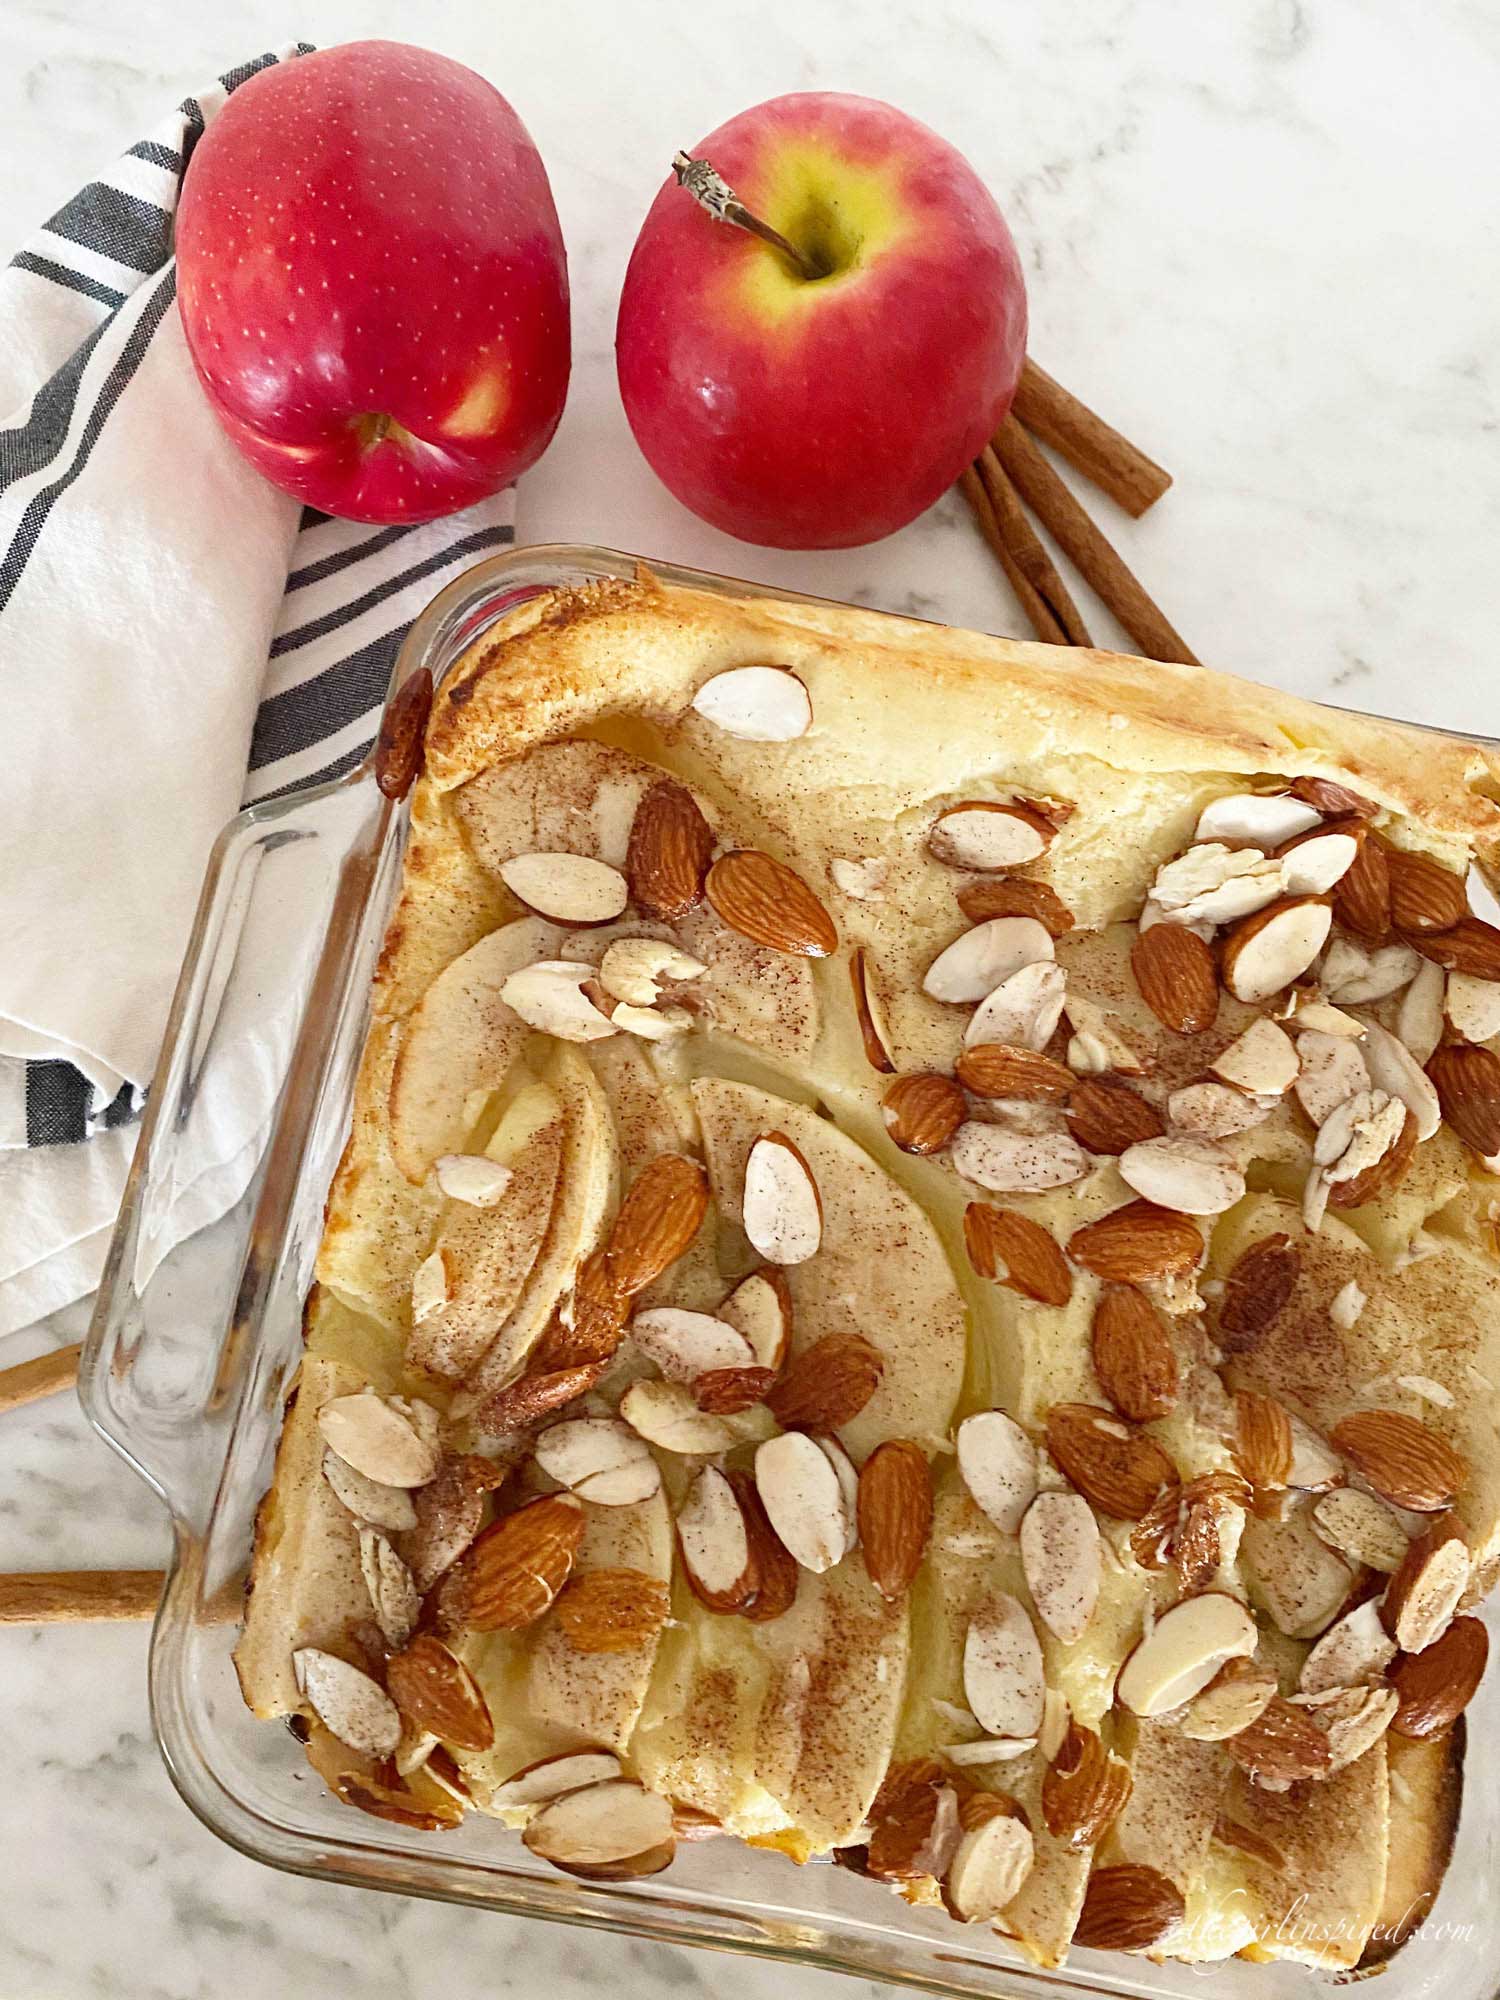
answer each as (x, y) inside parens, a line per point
(820, 412)
(373, 282)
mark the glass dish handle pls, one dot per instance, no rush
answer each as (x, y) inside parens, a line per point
(288, 893)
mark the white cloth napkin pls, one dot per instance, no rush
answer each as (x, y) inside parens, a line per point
(176, 636)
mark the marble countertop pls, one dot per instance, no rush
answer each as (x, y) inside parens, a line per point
(1260, 237)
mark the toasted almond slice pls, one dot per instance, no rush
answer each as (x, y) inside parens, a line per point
(1361, 1528)
(989, 1750)
(1084, 1790)
(634, 969)
(1018, 1252)
(800, 1491)
(1061, 1561)
(1467, 1079)
(670, 847)
(1133, 1354)
(1128, 1907)
(378, 1440)
(1419, 1018)
(869, 1015)
(1314, 866)
(1472, 1005)
(519, 1563)
(600, 1459)
(1427, 1586)
(1256, 1291)
(1401, 1459)
(1193, 1176)
(894, 1511)
(990, 1867)
(985, 957)
(1023, 1010)
(1353, 1718)
(1137, 1243)
(863, 880)
(652, 1024)
(1236, 1695)
(1395, 1070)
(612, 1610)
(1174, 970)
(1016, 1162)
(393, 1595)
(1015, 896)
(726, 1392)
(657, 1221)
(449, 1511)
(549, 996)
(1356, 1649)
(566, 888)
(1183, 1651)
(368, 1499)
(714, 1542)
(473, 1179)
(1117, 1469)
(685, 1345)
(922, 1112)
(1347, 1304)
(1333, 1070)
(781, 1208)
(554, 1777)
(1354, 976)
(985, 836)
(1281, 1746)
(1262, 1440)
(769, 903)
(1472, 946)
(827, 1384)
(1003, 1679)
(437, 1692)
(1315, 1466)
(990, 1069)
(1325, 1018)
(916, 1827)
(1265, 952)
(1425, 896)
(429, 1814)
(1215, 1111)
(612, 1831)
(998, 1463)
(1257, 819)
(1214, 884)
(666, 1414)
(756, 704)
(1262, 1061)
(1335, 800)
(760, 1308)
(1435, 1686)
(1100, 1028)
(347, 1702)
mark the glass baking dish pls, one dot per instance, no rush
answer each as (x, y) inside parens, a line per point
(194, 1343)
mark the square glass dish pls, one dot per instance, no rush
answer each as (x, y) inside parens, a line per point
(197, 1335)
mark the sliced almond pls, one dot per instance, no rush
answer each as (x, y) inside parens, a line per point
(1427, 1586)
(1084, 1790)
(1265, 952)
(756, 704)
(429, 1288)
(1472, 947)
(777, 1567)
(430, 1814)
(1262, 1440)
(1354, 975)
(714, 1542)
(1362, 896)
(990, 1069)
(1100, 1030)
(635, 969)
(393, 1595)
(989, 1750)
(769, 903)
(1003, 1680)
(1315, 1465)
(566, 888)
(1183, 1651)
(652, 1024)
(1236, 1695)
(657, 1221)
(1215, 884)
(1137, 1243)
(1347, 1305)
(1352, 1718)
(600, 1459)
(1361, 1528)
(354, 1708)
(760, 1308)
(610, 1832)
(666, 1414)
(1316, 864)
(1017, 1251)
(1467, 1080)
(473, 1179)
(922, 1112)
(612, 1610)
(436, 1691)
(989, 1868)
(1472, 1006)
(536, 1394)
(1128, 1907)
(1257, 819)
(1133, 1354)
(1256, 1292)
(685, 1345)
(894, 1515)
(985, 957)
(985, 836)
(1425, 896)
(670, 847)
(848, 1478)
(827, 1384)
(1325, 1018)
(1175, 972)
(368, 1433)
(1395, 1070)
(1118, 1470)
(869, 1015)
(1356, 1649)
(1015, 896)
(916, 1843)
(1263, 1060)
(1107, 1116)
(1435, 1686)
(554, 1777)
(1401, 1459)
(549, 996)
(725, 1392)
(1008, 1162)
(1061, 1562)
(863, 880)
(448, 1511)
(369, 1499)
(1282, 1745)
(1332, 1070)
(1193, 1176)
(519, 1563)
(801, 1494)
(1295, 1577)
(1333, 799)
(1419, 1019)
(998, 1463)
(781, 1209)
(1023, 1010)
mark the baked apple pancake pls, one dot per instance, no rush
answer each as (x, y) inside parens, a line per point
(913, 1281)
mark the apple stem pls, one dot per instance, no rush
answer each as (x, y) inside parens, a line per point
(713, 194)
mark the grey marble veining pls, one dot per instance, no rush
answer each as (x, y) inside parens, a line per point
(1262, 237)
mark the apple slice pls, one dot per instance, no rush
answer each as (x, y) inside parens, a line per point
(879, 1271)
(458, 1043)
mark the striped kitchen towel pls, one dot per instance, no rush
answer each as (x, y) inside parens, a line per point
(176, 638)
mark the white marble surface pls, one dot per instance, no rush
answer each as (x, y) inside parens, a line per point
(1260, 235)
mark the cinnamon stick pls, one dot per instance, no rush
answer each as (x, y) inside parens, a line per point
(29, 1381)
(52, 1597)
(1028, 550)
(1042, 620)
(1087, 442)
(1043, 490)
